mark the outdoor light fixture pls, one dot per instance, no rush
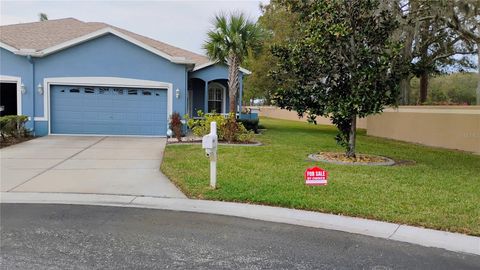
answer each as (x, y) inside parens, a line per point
(40, 89)
(177, 93)
(23, 89)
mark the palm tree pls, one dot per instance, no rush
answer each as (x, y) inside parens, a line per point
(230, 41)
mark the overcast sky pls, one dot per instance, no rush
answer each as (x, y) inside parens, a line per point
(179, 23)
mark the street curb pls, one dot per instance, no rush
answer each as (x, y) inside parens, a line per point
(398, 232)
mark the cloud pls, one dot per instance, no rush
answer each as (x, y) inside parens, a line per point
(180, 23)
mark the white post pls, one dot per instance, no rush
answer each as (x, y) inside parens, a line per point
(213, 173)
(213, 156)
(209, 143)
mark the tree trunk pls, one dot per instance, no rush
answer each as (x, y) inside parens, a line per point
(233, 82)
(405, 90)
(352, 138)
(423, 87)
(407, 56)
(478, 75)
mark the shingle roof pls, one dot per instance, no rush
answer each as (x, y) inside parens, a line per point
(42, 35)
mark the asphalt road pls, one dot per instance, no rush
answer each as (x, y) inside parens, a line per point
(94, 237)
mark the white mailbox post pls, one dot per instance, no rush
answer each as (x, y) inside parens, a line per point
(209, 143)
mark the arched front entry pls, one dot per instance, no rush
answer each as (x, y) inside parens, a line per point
(217, 93)
(211, 77)
(207, 96)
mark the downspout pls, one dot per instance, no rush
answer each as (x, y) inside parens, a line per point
(30, 60)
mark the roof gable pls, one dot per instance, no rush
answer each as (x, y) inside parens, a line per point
(40, 39)
(211, 63)
(43, 38)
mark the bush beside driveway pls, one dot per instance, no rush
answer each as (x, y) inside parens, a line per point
(439, 191)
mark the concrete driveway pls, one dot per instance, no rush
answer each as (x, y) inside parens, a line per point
(77, 164)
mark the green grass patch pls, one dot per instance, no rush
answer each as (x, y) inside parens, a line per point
(441, 191)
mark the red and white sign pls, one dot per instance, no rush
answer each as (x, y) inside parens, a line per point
(316, 176)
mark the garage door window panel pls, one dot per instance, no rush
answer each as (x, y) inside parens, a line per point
(118, 91)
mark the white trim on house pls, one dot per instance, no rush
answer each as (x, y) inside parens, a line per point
(18, 81)
(90, 36)
(102, 81)
(243, 70)
(224, 101)
(8, 47)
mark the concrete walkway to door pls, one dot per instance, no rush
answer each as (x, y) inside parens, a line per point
(78, 164)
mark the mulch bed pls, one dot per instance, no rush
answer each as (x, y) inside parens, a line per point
(360, 159)
(191, 139)
(219, 142)
(12, 141)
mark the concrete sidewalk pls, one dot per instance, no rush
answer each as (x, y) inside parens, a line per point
(87, 164)
(398, 232)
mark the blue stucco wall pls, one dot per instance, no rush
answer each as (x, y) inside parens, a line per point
(198, 88)
(19, 66)
(213, 72)
(106, 56)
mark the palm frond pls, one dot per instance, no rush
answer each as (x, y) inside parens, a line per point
(232, 34)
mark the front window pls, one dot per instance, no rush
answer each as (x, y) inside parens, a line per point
(215, 98)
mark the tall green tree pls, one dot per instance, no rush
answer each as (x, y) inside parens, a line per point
(279, 25)
(437, 48)
(463, 17)
(231, 40)
(42, 17)
(343, 66)
(406, 12)
(429, 45)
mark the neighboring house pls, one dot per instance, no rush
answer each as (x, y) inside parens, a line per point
(73, 77)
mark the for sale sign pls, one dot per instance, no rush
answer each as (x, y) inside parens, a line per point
(316, 176)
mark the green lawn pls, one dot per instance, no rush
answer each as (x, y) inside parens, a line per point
(441, 191)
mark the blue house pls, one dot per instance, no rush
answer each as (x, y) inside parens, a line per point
(74, 77)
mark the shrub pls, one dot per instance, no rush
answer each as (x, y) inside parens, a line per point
(244, 135)
(250, 124)
(201, 127)
(176, 125)
(13, 126)
(228, 129)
